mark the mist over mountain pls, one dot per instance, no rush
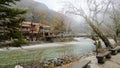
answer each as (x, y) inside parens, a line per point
(37, 8)
(44, 15)
(31, 3)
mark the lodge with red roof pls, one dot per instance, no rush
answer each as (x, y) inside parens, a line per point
(35, 31)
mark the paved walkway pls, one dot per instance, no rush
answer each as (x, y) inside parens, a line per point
(114, 62)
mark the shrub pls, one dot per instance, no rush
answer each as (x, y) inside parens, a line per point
(19, 43)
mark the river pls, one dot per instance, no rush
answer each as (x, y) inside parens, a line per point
(79, 48)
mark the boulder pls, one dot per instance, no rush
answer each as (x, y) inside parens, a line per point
(18, 66)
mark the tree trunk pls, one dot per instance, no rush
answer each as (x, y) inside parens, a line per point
(99, 33)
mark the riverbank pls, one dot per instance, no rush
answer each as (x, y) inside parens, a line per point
(114, 62)
(21, 43)
(76, 64)
(42, 45)
(57, 62)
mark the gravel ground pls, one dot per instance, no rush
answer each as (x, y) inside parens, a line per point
(114, 62)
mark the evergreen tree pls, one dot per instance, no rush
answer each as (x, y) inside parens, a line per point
(10, 20)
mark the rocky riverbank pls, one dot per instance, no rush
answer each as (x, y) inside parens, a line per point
(55, 62)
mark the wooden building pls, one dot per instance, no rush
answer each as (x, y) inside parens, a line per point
(35, 31)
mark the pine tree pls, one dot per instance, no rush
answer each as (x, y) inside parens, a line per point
(10, 20)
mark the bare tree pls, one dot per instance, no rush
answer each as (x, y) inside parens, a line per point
(58, 25)
(115, 16)
(91, 14)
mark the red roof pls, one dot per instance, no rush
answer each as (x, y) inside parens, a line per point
(29, 23)
(36, 29)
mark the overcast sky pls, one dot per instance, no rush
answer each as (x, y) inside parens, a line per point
(52, 4)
